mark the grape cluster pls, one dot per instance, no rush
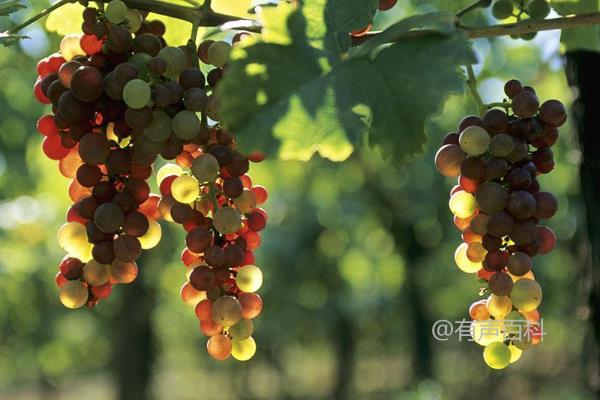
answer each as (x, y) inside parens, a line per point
(120, 98)
(497, 205)
(520, 10)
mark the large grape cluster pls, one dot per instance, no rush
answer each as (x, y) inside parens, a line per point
(120, 98)
(497, 205)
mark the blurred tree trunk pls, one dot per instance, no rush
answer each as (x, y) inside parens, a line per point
(582, 73)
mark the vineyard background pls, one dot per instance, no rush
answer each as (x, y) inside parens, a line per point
(356, 262)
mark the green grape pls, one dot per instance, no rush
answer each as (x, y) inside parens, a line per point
(515, 353)
(136, 93)
(168, 170)
(526, 295)
(462, 204)
(205, 168)
(463, 262)
(538, 9)
(160, 127)
(226, 311)
(502, 145)
(142, 63)
(73, 294)
(243, 349)
(243, 329)
(226, 220)
(502, 9)
(116, 12)
(474, 140)
(249, 278)
(218, 53)
(96, 274)
(134, 20)
(497, 355)
(499, 306)
(185, 189)
(488, 331)
(108, 217)
(175, 59)
(186, 124)
(528, 36)
(152, 236)
(246, 202)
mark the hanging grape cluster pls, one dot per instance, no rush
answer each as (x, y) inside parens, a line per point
(521, 10)
(498, 205)
(121, 97)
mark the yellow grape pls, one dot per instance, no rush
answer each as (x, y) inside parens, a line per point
(497, 355)
(526, 295)
(96, 274)
(462, 204)
(243, 329)
(70, 47)
(227, 220)
(463, 262)
(185, 189)
(243, 349)
(515, 353)
(164, 207)
(488, 331)
(499, 306)
(528, 275)
(226, 311)
(249, 278)
(168, 170)
(71, 234)
(152, 236)
(73, 294)
(205, 168)
(134, 20)
(246, 202)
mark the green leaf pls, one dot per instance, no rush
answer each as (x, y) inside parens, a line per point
(10, 6)
(281, 95)
(585, 38)
(8, 39)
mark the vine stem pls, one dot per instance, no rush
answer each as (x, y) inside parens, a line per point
(503, 104)
(518, 28)
(213, 197)
(472, 85)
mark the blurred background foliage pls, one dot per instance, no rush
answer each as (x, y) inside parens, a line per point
(358, 263)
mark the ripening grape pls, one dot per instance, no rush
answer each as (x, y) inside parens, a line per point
(249, 278)
(116, 11)
(251, 304)
(488, 331)
(500, 284)
(226, 311)
(166, 171)
(245, 202)
(108, 217)
(525, 104)
(476, 252)
(73, 294)
(491, 197)
(186, 124)
(502, 9)
(478, 311)
(70, 46)
(152, 236)
(123, 272)
(96, 274)
(219, 347)
(462, 204)
(242, 329)
(502, 145)
(134, 20)
(227, 220)
(243, 349)
(474, 140)
(463, 262)
(499, 306)
(448, 160)
(526, 295)
(519, 263)
(205, 168)
(515, 353)
(218, 53)
(185, 189)
(497, 355)
(176, 61)
(136, 93)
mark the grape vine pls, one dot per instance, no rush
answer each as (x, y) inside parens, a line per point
(121, 97)
(497, 205)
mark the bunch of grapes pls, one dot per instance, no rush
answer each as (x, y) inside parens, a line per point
(497, 205)
(520, 10)
(121, 97)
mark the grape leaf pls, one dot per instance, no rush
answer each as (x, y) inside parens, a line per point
(8, 39)
(280, 95)
(585, 38)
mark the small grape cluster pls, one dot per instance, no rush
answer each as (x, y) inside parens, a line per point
(383, 5)
(520, 10)
(497, 206)
(121, 97)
